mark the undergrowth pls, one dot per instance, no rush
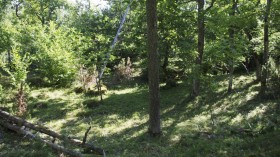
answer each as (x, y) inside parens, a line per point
(213, 124)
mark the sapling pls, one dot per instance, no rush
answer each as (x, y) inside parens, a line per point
(18, 74)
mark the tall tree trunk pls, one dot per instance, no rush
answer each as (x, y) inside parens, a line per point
(266, 49)
(232, 46)
(200, 44)
(200, 48)
(153, 67)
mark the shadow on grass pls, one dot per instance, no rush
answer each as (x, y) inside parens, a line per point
(48, 110)
(191, 127)
(15, 145)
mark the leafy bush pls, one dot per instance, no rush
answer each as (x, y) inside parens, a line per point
(18, 72)
(55, 62)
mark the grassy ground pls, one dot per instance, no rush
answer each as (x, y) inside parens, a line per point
(214, 124)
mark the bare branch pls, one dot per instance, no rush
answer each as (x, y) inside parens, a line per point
(17, 8)
(86, 134)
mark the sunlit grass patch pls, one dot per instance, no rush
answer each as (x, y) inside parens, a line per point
(124, 91)
(208, 125)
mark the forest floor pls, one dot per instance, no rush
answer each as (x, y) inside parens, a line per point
(214, 124)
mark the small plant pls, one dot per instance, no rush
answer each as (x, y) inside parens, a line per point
(17, 71)
(123, 71)
(21, 100)
(87, 78)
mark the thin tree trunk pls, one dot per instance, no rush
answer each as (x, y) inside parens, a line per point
(200, 48)
(153, 67)
(9, 59)
(166, 62)
(41, 15)
(99, 89)
(230, 79)
(255, 57)
(266, 49)
(20, 99)
(200, 45)
(258, 67)
(166, 59)
(232, 46)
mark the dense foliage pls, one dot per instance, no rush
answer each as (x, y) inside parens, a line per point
(60, 37)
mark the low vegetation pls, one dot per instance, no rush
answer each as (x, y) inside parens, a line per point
(213, 124)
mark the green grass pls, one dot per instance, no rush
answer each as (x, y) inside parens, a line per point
(210, 125)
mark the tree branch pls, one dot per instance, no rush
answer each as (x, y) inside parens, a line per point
(211, 5)
(86, 134)
(17, 8)
(236, 6)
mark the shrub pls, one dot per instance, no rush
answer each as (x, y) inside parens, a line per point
(17, 71)
(55, 61)
(87, 79)
(123, 71)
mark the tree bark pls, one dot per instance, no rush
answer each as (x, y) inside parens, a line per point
(153, 67)
(166, 60)
(10, 59)
(232, 46)
(230, 78)
(266, 49)
(200, 45)
(200, 48)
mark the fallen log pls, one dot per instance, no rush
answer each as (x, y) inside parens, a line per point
(57, 147)
(42, 129)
